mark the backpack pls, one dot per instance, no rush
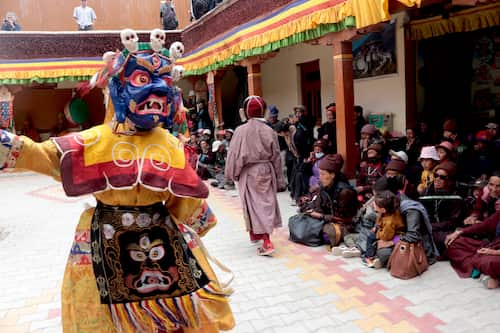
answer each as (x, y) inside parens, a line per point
(169, 18)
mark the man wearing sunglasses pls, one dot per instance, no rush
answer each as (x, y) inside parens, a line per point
(444, 205)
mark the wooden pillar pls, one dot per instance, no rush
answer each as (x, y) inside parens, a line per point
(344, 98)
(254, 79)
(218, 96)
(410, 80)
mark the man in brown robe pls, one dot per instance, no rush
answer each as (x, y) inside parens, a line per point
(254, 162)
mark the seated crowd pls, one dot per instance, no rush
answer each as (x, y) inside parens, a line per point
(441, 196)
(208, 156)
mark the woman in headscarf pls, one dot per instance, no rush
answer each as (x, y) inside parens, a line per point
(336, 202)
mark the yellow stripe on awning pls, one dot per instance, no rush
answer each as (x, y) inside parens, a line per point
(476, 18)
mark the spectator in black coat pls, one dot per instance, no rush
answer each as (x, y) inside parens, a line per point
(328, 131)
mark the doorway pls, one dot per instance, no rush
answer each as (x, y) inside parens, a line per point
(310, 83)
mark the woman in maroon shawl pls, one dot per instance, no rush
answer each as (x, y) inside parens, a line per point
(470, 254)
(254, 162)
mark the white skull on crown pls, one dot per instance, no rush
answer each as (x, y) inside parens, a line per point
(157, 39)
(177, 73)
(130, 40)
(176, 50)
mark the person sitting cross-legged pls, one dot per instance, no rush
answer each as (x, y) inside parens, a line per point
(336, 203)
(476, 250)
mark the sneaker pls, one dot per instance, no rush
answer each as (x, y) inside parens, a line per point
(352, 252)
(339, 250)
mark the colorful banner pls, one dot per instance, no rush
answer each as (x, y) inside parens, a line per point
(292, 24)
(48, 70)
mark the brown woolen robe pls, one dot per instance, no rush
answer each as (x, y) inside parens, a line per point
(463, 251)
(254, 162)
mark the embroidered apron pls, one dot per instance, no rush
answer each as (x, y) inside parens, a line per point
(139, 254)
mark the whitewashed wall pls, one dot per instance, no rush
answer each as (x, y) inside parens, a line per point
(385, 94)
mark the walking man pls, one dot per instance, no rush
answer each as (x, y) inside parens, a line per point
(254, 162)
(84, 16)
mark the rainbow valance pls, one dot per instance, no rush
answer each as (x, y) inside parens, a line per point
(292, 24)
(476, 18)
(48, 70)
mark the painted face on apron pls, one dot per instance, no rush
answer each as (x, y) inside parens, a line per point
(148, 264)
(140, 254)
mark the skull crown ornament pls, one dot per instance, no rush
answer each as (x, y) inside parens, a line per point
(140, 80)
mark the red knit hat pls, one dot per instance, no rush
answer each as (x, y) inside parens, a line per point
(254, 107)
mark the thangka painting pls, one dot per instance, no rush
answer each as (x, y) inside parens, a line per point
(486, 72)
(6, 109)
(375, 53)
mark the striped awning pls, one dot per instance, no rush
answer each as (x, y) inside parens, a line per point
(48, 70)
(297, 22)
(480, 17)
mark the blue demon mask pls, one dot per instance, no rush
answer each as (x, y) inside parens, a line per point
(142, 90)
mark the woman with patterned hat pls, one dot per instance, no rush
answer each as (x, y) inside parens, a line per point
(137, 263)
(254, 162)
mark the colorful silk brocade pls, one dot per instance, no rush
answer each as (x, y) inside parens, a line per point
(96, 160)
(202, 310)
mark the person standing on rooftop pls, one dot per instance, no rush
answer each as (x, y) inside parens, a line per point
(10, 22)
(84, 16)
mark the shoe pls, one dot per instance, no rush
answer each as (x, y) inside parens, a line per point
(266, 250)
(229, 187)
(293, 202)
(366, 261)
(352, 252)
(375, 263)
(489, 282)
(214, 183)
(339, 250)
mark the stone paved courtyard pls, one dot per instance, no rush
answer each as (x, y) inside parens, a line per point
(301, 289)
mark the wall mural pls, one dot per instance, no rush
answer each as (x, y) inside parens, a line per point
(6, 109)
(375, 53)
(485, 87)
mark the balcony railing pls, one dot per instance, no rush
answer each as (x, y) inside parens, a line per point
(66, 44)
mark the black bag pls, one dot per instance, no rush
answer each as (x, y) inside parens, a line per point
(306, 230)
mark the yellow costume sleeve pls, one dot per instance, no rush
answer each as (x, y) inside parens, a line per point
(39, 157)
(194, 212)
